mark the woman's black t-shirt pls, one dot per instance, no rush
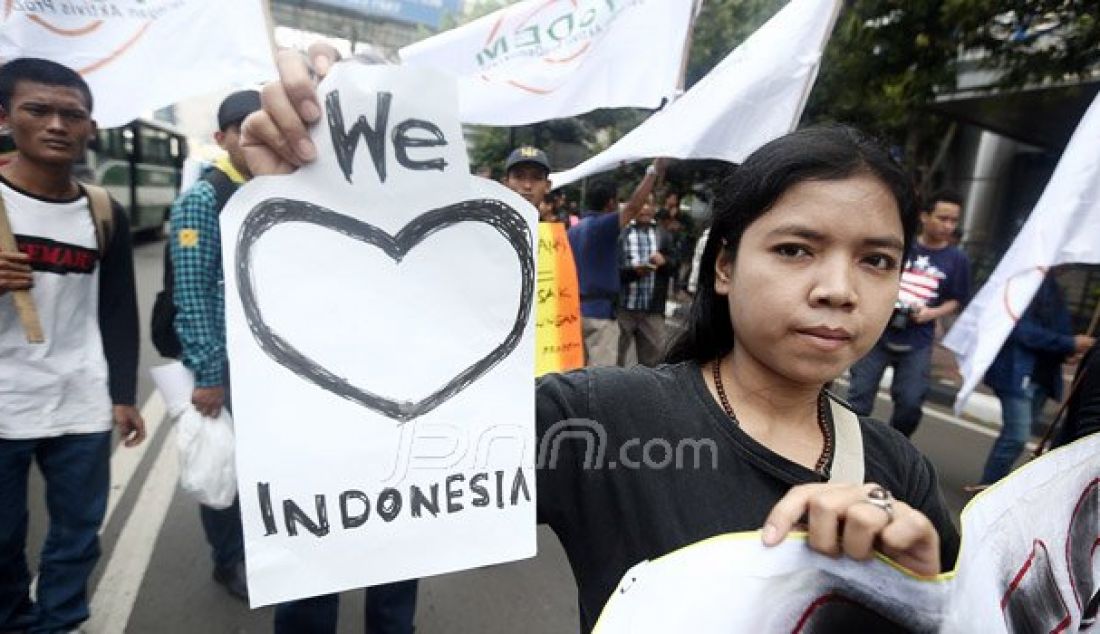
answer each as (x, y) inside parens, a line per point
(635, 463)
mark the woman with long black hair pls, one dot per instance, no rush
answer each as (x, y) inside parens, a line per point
(736, 432)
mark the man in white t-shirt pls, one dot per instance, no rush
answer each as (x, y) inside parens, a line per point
(60, 399)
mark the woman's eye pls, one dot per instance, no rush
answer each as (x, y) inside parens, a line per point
(792, 251)
(881, 262)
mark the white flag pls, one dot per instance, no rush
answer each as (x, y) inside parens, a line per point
(754, 95)
(546, 59)
(1063, 228)
(140, 55)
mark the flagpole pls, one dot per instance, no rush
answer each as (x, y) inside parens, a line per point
(837, 6)
(268, 17)
(23, 300)
(681, 83)
(697, 6)
(1091, 330)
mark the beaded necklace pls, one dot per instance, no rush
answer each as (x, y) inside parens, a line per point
(822, 422)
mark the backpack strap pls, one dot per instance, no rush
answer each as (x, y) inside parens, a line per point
(848, 461)
(224, 187)
(99, 202)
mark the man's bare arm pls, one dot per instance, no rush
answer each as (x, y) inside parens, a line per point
(655, 172)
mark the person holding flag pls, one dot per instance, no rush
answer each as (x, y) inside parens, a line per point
(61, 397)
(1083, 406)
(595, 243)
(1028, 371)
(1061, 229)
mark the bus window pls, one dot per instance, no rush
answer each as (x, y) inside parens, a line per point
(155, 147)
(112, 144)
(128, 142)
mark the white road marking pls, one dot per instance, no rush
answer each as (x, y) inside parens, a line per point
(884, 396)
(955, 420)
(125, 460)
(118, 588)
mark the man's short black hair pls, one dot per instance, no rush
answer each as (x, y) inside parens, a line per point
(39, 71)
(943, 196)
(599, 193)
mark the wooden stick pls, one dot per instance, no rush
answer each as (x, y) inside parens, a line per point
(24, 303)
(1091, 330)
(696, 7)
(269, 17)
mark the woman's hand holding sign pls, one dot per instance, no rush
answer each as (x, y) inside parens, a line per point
(855, 520)
(841, 519)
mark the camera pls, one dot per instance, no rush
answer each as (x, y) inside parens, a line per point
(901, 317)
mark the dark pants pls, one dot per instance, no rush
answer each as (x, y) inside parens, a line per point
(76, 470)
(646, 331)
(224, 533)
(912, 372)
(222, 527)
(390, 610)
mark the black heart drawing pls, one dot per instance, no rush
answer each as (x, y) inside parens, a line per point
(270, 213)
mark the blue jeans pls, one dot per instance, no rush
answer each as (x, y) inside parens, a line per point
(1019, 409)
(76, 470)
(390, 610)
(912, 372)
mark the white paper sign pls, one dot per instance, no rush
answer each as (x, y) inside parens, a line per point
(379, 309)
(176, 384)
(1027, 564)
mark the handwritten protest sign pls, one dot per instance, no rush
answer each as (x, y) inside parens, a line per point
(1027, 564)
(559, 344)
(379, 309)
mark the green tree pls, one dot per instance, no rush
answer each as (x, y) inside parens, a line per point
(1031, 41)
(882, 67)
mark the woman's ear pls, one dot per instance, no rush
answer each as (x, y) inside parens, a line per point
(723, 272)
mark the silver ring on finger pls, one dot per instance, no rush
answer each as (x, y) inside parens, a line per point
(880, 497)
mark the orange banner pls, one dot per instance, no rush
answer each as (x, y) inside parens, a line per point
(559, 344)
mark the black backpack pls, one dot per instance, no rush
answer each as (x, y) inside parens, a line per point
(163, 326)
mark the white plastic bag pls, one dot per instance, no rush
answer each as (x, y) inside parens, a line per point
(208, 470)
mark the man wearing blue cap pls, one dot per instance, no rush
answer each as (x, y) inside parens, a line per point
(194, 288)
(527, 172)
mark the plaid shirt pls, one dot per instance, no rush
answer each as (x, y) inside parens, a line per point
(199, 292)
(637, 244)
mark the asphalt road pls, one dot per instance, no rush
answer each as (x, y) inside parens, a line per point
(154, 575)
